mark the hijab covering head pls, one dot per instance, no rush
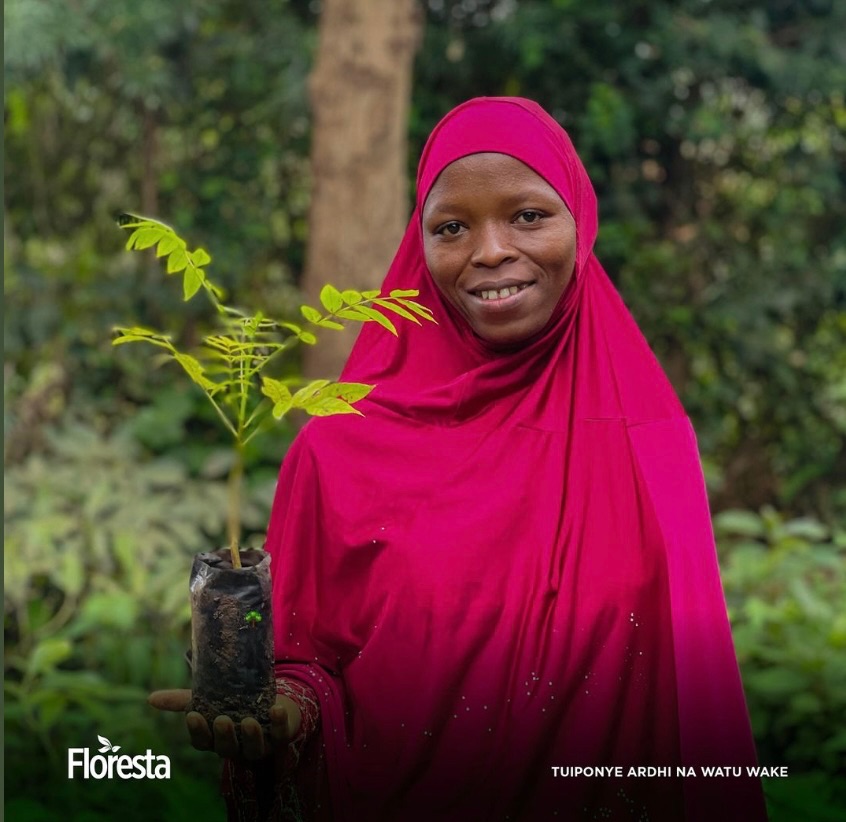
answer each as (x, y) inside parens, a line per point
(506, 565)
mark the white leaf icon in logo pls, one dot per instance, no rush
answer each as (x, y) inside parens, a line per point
(115, 748)
(107, 746)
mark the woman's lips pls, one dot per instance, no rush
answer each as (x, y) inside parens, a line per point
(501, 298)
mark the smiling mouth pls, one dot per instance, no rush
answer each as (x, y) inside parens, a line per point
(490, 294)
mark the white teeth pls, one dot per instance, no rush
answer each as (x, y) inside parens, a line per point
(502, 293)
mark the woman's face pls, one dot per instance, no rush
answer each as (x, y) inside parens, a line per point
(500, 245)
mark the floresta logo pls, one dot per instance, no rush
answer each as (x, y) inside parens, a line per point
(109, 764)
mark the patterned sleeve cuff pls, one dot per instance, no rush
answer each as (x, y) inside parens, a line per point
(305, 699)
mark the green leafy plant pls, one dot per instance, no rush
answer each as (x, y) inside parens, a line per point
(229, 368)
(83, 567)
(785, 582)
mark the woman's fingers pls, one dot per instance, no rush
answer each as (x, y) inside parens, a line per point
(222, 736)
(175, 699)
(252, 739)
(280, 731)
(285, 719)
(199, 731)
(225, 738)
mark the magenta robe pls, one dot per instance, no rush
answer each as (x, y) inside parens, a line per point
(506, 566)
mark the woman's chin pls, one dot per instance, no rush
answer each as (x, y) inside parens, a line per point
(505, 337)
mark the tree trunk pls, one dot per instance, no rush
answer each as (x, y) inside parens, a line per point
(360, 91)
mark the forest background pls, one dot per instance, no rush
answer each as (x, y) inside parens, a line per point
(714, 134)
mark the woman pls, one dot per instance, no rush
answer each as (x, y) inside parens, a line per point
(505, 570)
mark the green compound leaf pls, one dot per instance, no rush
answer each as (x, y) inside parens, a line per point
(279, 394)
(196, 371)
(139, 331)
(177, 261)
(147, 233)
(145, 238)
(303, 336)
(350, 391)
(397, 309)
(139, 334)
(253, 324)
(281, 408)
(352, 314)
(378, 317)
(245, 343)
(200, 257)
(322, 398)
(126, 220)
(327, 323)
(311, 314)
(220, 342)
(419, 310)
(331, 298)
(167, 244)
(309, 392)
(126, 338)
(275, 390)
(329, 406)
(192, 282)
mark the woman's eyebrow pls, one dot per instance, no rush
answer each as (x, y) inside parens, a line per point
(529, 194)
(510, 200)
(441, 208)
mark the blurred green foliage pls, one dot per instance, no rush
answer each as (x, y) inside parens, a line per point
(785, 583)
(96, 545)
(714, 133)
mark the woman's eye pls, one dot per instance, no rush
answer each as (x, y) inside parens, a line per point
(450, 228)
(529, 216)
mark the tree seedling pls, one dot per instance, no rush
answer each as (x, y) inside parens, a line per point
(230, 366)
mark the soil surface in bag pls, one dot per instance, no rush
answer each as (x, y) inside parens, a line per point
(232, 637)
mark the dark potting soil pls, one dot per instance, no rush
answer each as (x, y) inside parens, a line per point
(232, 637)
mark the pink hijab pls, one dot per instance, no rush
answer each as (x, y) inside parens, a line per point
(507, 565)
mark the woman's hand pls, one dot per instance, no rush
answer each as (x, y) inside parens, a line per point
(221, 737)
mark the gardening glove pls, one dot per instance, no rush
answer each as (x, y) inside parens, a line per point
(222, 738)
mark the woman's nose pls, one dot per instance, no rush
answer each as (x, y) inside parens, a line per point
(492, 246)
